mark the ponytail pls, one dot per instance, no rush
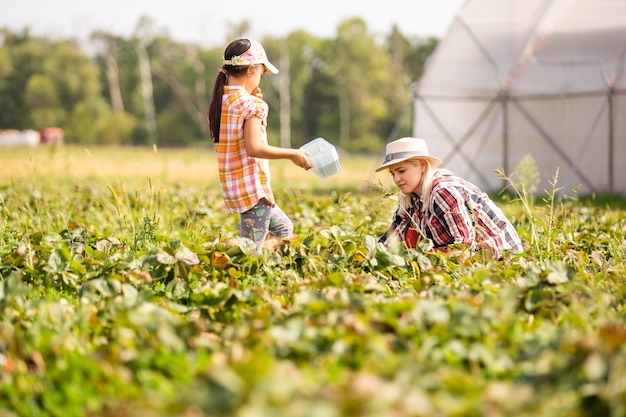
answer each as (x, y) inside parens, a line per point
(215, 108)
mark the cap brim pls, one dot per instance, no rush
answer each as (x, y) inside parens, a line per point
(269, 67)
(433, 161)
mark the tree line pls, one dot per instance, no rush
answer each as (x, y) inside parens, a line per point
(353, 89)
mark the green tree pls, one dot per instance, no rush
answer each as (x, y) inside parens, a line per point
(162, 84)
(360, 68)
(417, 56)
(145, 32)
(180, 92)
(301, 49)
(408, 59)
(112, 50)
(51, 83)
(399, 98)
(43, 96)
(352, 89)
(13, 114)
(117, 61)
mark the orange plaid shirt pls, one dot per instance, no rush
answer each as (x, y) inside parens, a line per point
(245, 180)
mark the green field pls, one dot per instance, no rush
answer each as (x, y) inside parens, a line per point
(119, 297)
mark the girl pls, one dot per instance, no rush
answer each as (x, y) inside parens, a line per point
(442, 207)
(237, 120)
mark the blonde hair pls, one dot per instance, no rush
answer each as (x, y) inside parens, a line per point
(425, 187)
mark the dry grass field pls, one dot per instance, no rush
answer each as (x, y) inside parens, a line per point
(163, 166)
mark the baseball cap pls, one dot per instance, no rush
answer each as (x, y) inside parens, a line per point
(254, 55)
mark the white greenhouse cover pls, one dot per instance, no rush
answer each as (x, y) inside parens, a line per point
(545, 78)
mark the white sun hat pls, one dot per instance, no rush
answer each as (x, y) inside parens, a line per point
(407, 148)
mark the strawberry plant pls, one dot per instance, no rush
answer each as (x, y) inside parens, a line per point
(123, 296)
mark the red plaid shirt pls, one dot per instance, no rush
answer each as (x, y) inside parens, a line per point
(458, 212)
(245, 180)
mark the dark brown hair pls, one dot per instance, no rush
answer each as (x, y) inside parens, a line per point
(214, 115)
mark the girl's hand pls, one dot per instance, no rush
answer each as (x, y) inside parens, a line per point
(302, 158)
(257, 92)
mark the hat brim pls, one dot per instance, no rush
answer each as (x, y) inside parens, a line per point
(269, 67)
(433, 161)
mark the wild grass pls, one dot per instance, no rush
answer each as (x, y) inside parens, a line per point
(119, 297)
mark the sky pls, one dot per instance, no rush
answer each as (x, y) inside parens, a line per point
(207, 22)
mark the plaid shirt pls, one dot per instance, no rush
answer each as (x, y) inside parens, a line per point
(458, 212)
(245, 180)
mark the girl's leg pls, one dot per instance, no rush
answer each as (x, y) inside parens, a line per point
(255, 223)
(262, 219)
(280, 224)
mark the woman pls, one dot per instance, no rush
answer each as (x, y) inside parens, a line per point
(442, 207)
(237, 120)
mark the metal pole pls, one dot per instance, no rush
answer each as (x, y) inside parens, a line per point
(611, 141)
(505, 132)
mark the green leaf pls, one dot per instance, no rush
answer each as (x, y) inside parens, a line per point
(557, 273)
(186, 256)
(166, 256)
